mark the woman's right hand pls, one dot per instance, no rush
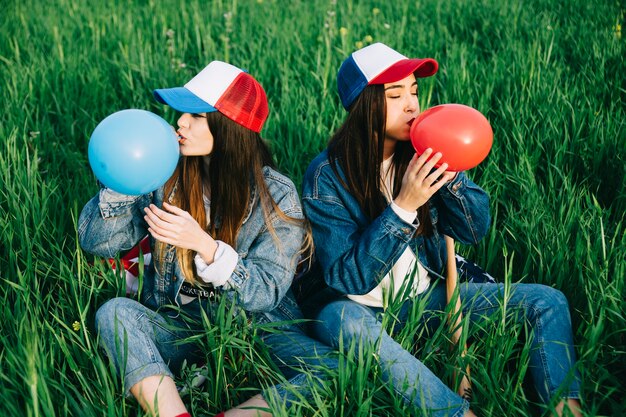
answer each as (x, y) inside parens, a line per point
(177, 227)
(419, 184)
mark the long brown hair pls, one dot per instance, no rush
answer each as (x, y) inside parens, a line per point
(235, 172)
(357, 148)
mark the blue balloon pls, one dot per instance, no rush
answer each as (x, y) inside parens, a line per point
(133, 151)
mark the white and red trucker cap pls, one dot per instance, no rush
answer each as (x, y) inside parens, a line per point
(378, 64)
(220, 87)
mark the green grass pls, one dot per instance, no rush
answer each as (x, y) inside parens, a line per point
(548, 74)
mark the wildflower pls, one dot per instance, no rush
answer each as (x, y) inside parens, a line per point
(76, 326)
(618, 30)
(368, 39)
(386, 25)
(375, 11)
(34, 134)
(170, 33)
(358, 44)
(343, 31)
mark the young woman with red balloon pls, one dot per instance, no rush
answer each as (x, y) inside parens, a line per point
(225, 226)
(379, 213)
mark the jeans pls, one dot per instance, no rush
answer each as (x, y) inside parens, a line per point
(546, 310)
(143, 343)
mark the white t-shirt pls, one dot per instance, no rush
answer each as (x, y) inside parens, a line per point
(406, 268)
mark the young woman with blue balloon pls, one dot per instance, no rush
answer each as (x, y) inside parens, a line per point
(225, 224)
(379, 212)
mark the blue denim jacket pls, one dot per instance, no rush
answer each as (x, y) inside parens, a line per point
(354, 253)
(111, 222)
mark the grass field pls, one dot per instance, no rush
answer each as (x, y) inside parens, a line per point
(548, 74)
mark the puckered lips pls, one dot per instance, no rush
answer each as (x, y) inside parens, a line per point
(181, 138)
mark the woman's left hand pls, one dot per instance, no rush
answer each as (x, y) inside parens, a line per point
(176, 227)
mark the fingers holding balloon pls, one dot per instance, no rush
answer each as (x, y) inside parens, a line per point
(438, 175)
(441, 179)
(427, 168)
(421, 181)
(420, 159)
(417, 162)
(428, 165)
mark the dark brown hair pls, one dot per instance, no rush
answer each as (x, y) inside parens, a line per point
(357, 148)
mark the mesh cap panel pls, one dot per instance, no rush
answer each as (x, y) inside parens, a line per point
(244, 102)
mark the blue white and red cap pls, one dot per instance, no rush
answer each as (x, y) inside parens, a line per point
(221, 87)
(378, 64)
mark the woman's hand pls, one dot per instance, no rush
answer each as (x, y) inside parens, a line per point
(176, 227)
(419, 184)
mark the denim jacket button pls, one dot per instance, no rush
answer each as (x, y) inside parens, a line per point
(173, 277)
(406, 230)
(456, 186)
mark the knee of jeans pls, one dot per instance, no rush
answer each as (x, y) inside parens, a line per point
(350, 320)
(115, 313)
(551, 299)
(555, 298)
(354, 327)
(363, 327)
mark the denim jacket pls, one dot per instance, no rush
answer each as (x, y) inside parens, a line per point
(353, 253)
(112, 222)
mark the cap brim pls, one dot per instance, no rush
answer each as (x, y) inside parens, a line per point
(183, 100)
(422, 67)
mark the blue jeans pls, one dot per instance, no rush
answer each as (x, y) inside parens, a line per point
(143, 343)
(552, 354)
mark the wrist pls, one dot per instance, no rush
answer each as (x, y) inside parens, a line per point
(207, 249)
(404, 205)
(408, 216)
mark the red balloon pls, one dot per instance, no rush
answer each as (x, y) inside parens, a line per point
(462, 135)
